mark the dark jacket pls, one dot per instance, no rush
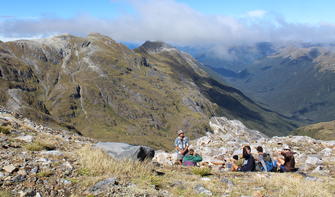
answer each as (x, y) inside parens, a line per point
(289, 165)
(249, 164)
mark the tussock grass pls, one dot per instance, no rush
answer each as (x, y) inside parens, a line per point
(40, 145)
(203, 171)
(294, 185)
(4, 130)
(96, 162)
(45, 173)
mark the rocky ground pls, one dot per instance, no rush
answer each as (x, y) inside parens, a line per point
(39, 161)
(229, 136)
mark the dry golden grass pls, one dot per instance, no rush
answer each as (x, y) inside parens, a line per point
(5, 130)
(40, 145)
(294, 185)
(5, 194)
(96, 162)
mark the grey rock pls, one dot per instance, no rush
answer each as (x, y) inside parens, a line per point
(34, 170)
(200, 189)
(178, 184)
(51, 152)
(65, 182)
(311, 178)
(25, 138)
(38, 195)
(9, 168)
(313, 160)
(18, 178)
(27, 193)
(101, 185)
(127, 151)
(227, 181)
(327, 152)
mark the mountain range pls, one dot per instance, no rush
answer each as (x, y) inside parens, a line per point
(294, 79)
(102, 89)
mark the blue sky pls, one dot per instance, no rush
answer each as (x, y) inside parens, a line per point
(300, 11)
(184, 22)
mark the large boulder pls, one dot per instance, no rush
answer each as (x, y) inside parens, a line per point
(127, 151)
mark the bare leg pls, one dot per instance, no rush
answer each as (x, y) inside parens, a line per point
(180, 162)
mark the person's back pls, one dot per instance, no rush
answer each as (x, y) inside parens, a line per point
(249, 161)
(264, 161)
(191, 159)
(289, 164)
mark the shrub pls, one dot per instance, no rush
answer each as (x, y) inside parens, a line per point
(203, 171)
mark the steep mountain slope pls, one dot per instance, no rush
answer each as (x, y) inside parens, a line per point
(322, 130)
(296, 80)
(109, 92)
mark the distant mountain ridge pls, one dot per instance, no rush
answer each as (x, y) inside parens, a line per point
(294, 79)
(322, 130)
(109, 92)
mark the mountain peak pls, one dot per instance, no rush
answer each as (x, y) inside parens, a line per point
(156, 46)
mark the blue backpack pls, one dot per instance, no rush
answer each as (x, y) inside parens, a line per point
(268, 162)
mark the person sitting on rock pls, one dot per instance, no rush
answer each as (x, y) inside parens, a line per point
(288, 163)
(236, 163)
(191, 159)
(249, 161)
(181, 144)
(263, 161)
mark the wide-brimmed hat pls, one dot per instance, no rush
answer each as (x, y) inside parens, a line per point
(286, 147)
(180, 132)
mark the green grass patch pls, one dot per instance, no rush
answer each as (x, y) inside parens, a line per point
(45, 173)
(204, 171)
(84, 172)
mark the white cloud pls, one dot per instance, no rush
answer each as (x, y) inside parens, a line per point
(176, 23)
(256, 13)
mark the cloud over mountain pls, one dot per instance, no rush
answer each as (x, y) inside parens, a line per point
(174, 22)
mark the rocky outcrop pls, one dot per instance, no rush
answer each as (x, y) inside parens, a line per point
(127, 151)
(229, 136)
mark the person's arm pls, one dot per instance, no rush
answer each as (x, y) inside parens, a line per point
(176, 144)
(187, 143)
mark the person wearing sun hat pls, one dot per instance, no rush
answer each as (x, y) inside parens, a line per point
(288, 163)
(182, 145)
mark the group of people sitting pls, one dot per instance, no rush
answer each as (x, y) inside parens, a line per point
(247, 163)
